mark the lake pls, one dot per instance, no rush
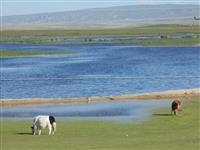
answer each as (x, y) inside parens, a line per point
(98, 69)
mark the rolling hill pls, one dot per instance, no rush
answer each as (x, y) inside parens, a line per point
(115, 16)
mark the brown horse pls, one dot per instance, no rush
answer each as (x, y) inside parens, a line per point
(176, 106)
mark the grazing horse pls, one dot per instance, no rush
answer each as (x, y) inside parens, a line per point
(41, 122)
(176, 106)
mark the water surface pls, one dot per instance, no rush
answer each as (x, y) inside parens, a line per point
(104, 110)
(99, 69)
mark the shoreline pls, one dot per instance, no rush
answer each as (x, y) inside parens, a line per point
(170, 94)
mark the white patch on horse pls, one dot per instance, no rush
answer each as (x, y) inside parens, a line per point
(41, 122)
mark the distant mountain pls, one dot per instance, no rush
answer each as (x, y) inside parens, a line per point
(120, 15)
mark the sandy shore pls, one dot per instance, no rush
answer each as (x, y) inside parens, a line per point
(184, 93)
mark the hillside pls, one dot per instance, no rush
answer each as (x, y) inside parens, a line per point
(120, 15)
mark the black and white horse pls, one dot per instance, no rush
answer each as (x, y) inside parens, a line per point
(41, 122)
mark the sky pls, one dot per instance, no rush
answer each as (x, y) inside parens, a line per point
(18, 7)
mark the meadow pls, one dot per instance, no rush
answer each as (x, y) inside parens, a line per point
(49, 36)
(162, 42)
(153, 29)
(33, 52)
(160, 131)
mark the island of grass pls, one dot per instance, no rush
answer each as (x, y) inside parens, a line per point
(33, 52)
(162, 41)
(161, 131)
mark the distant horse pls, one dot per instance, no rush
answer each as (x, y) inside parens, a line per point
(176, 106)
(41, 122)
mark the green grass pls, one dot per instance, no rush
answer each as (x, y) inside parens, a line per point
(163, 42)
(145, 42)
(160, 132)
(32, 52)
(49, 36)
(154, 29)
(28, 40)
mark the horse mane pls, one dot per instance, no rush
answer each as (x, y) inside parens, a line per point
(52, 119)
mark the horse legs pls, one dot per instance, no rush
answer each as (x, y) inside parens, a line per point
(50, 129)
(52, 132)
(34, 130)
(175, 112)
(39, 131)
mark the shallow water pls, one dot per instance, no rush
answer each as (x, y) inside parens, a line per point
(106, 110)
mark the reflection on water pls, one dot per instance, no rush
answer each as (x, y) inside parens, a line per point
(112, 110)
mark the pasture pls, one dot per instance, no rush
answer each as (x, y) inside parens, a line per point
(34, 52)
(153, 29)
(161, 131)
(166, 32)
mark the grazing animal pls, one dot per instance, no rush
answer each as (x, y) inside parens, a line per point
(176, 106)
(41, 122)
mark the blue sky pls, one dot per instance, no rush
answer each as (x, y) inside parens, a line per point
(16, 7)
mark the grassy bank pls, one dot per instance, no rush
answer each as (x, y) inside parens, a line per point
(154, 29)
(162, 131)
(162, 42)
(157, 35)
(145, 42)
(32, 52)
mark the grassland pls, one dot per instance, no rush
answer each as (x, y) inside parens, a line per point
(161, 131)
(51, 36)
(27, 40)
(162, 42)
(32, 52)
(154, 29)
